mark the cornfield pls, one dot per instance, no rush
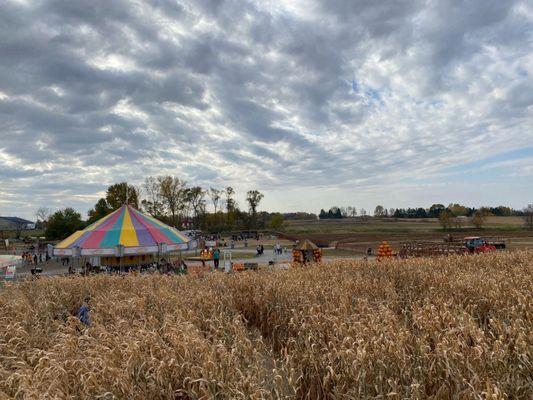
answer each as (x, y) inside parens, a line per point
(454, 327)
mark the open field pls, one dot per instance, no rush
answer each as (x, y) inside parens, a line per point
(455, 327)
(358, 236)
(413, 225)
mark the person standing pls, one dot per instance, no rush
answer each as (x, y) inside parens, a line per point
(83, 312)
(216, 257)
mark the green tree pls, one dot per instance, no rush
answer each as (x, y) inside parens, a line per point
(100, 210)
(276, 221)
(118, 193)
(63, 223)
(379, 211)
(253, 197)
(435, 210)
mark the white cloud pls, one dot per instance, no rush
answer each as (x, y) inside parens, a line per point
(290, 97)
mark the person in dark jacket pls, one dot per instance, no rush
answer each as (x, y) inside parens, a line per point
(83, 312)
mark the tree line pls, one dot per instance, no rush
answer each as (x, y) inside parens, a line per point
(419, 212)
(452, 216)
(171, 200)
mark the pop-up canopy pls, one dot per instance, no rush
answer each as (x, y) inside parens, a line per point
(125, 231)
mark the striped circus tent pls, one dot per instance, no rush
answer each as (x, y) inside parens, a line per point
(126, 231)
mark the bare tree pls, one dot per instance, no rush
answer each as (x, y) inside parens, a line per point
(458, 221)
(195, 197)
(153, 203)
(528, 216)
(478, 219)
(230, 202)
(43, 214)
(215, 195)
(445, 219)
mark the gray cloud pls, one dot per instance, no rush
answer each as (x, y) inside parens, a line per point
(325, 94)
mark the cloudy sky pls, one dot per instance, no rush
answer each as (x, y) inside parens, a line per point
(315, 103)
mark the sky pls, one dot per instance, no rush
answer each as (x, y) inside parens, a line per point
(314, 103)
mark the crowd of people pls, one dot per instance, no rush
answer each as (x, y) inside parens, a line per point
(34, 258)
(162, 266)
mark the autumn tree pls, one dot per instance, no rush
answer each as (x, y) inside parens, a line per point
(276, 221)
(457, 209)
(478, 219)
(173, 195)
(445, 219)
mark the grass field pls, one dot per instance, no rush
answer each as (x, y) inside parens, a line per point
(359, 235)
(406, 225)
(456, 327)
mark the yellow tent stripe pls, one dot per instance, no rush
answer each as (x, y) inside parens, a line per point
(71, 239)
(128, 236)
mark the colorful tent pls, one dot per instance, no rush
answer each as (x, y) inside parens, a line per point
(125, 231)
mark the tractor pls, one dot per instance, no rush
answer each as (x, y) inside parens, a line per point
(476, 244)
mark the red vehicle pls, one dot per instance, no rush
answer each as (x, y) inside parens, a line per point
(476, 244)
